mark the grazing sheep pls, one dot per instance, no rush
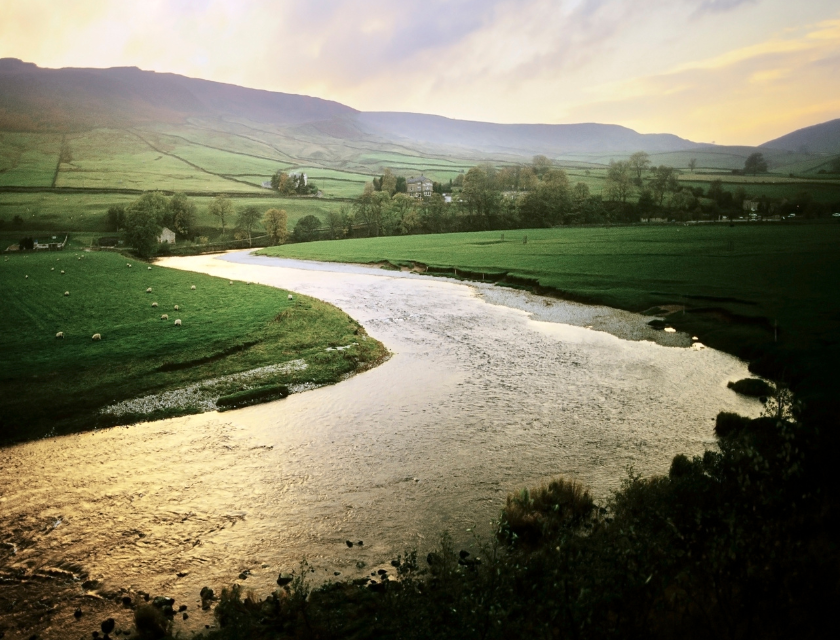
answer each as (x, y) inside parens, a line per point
(154, 304)
(231, 282)
(96, 336)
(176, 307)
(149, 268)
(290, 296)
(670, 330)
(165, 316)
(149, 290)
(66, 293)
(127, 265)
(178, 322)
(52, 268)
(60, 334)
(192, 288)
(25, 277)
(62, 272)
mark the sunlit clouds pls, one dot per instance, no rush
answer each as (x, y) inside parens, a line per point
(732, 71)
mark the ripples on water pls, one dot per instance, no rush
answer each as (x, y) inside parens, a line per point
(478, 399)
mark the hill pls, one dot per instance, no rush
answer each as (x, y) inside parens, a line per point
(36, 99)
(518, 139)
(819, 138)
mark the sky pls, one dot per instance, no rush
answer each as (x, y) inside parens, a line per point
(725, 71)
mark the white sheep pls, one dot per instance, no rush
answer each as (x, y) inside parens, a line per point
(177, 307)
(178, 322)
(26, 277)
(192, 288)
(154, 304)
(127, 265)
(66, 293)
(231, 282)
(52, 268)
(96, 336)
(149, 290)
(149, 268)
(60, 334)
(62, 272)
(165, 316)
(670, 330)
(290, 296)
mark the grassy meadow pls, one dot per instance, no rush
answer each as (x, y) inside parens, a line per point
(743, 287)
(53, 386)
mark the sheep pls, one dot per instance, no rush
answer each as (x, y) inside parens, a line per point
(62, 272)
(290, 296)
(149, 268)
(154, 304)
(178, 322)
(26, 277)
(60, 334)
(165, 316)
(192, 288)
(670, 330)
(127, 265)
(52, 268)
(231, 282)
(96, 336)
(66, 293)
(177, 307)
(149, 290)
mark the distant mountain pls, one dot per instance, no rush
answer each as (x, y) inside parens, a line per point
(820, 138)
(550, 139)
(36, 99)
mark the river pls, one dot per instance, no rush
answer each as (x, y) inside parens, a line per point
(488, 390)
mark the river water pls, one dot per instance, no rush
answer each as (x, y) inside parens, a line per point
(488, 390)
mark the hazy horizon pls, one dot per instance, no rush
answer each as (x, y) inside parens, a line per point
(727, 71)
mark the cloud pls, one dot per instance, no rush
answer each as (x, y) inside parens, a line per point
(626, 61)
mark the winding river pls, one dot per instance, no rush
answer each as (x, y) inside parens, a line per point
(488, 390)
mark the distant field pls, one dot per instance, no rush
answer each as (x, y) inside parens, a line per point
(28, 159)
(60, 213)
(736, 281)
(61, 384)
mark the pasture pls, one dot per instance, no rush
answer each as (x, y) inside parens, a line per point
(765, 290)
(52, 386)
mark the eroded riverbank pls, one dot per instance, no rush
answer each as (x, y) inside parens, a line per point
(478, 400)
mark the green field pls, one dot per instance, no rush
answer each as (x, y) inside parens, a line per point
(737, 283)
(50, 385)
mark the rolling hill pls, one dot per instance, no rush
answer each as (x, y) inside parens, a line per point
(819, 138)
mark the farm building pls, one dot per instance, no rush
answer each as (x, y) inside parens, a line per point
(419, 187)
(166, 236)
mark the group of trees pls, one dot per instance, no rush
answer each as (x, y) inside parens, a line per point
(143, 219)
(290, 184)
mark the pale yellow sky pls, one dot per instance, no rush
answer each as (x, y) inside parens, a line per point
(729, 71)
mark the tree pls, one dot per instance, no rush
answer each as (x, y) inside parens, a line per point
(549, 203)
(755, 164)
(692, 164)
(434, 214)
(182, 214)
(279, 181)
(388, 182)
(401, 186)
(306, 228)
(664, 180)
(480, 199)
(541, 164)
(248, 217)
(221, 208)
(638, 163)
(369, 209)
(338, 222)
(143, 219)
(116, 217)
(274, 221)
(619, 184)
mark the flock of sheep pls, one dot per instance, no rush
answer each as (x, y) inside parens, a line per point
(98, 336)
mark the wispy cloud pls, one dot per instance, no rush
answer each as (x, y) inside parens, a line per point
(653, 64)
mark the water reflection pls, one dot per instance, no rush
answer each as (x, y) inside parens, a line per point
(478, 399)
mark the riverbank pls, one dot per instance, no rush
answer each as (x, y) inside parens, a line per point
(168, 343)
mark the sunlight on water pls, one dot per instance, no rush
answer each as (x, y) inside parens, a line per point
(478, 399)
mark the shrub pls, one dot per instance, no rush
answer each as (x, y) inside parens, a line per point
(727, 424)
(150, 622)
(754, 387)
(532, 516)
